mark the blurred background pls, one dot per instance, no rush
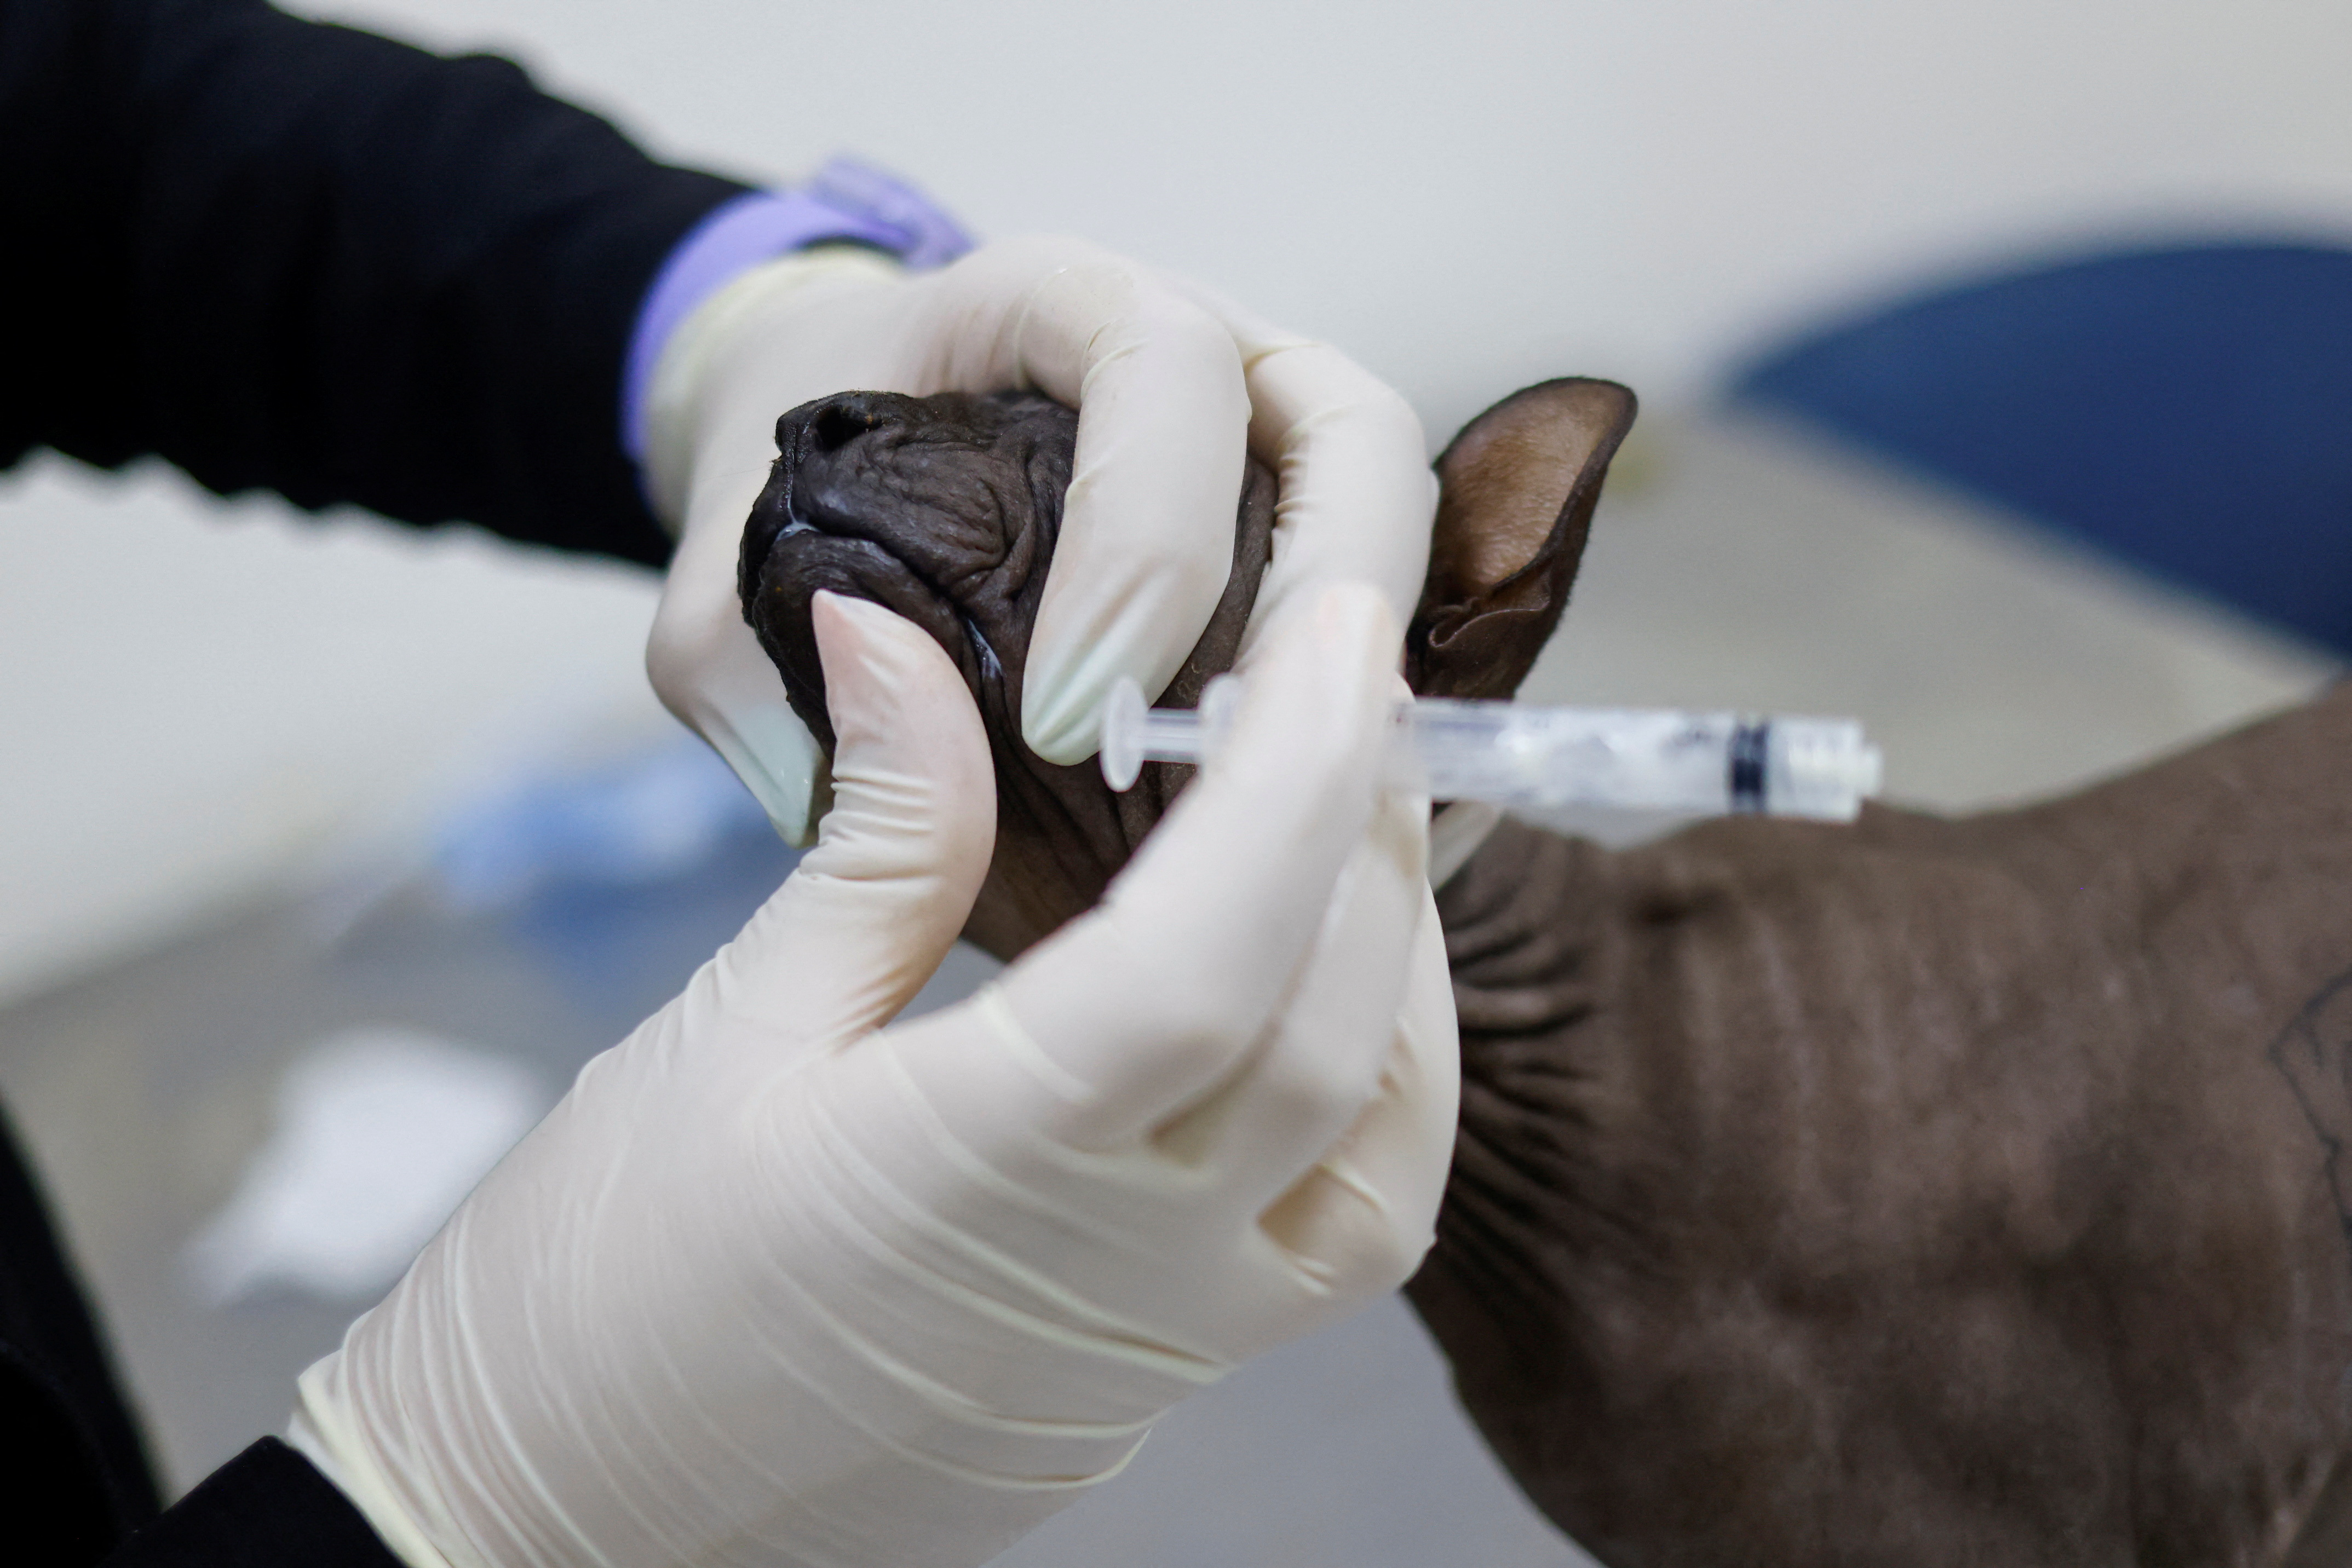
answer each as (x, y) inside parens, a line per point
(1997, 371)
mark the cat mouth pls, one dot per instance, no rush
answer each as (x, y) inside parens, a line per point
(791, 506)
(808, 522)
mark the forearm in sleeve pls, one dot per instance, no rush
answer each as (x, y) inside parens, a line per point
(267, 1508)
(299, 257)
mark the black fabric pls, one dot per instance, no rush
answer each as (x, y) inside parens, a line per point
(267, 1508)
(299, 258)
(75, 1480)
(76, 1462)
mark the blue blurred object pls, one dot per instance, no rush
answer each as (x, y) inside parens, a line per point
(619, 879)
(2186, 409)
(641, 819)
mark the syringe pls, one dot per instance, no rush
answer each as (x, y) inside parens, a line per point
(1508, 754)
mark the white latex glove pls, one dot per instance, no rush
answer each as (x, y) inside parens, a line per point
(770, 1287)
(1169, 383)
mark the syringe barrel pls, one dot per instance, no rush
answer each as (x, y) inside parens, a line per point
(1632, 759)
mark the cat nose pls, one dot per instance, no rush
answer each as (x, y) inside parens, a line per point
(838, 421)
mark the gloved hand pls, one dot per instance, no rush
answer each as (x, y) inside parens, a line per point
(1171, 384)
(770, 1287)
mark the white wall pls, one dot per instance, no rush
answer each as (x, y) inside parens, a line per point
(1468, 192)
(1468, 196)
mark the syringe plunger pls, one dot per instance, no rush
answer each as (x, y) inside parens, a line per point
(1510, 755)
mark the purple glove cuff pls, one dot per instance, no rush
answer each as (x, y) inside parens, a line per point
(845, 200)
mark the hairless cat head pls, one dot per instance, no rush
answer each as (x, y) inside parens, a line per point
(946, 509)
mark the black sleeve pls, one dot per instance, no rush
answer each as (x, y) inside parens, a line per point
(74, 1473)
(299, 258)
(267, 1508)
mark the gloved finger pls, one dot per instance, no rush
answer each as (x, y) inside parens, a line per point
(708, 670)
(869, 913)
(1362, 1219)
(1146, 539)
(710, 423)
(1321, 1064)
(1356, 498)
(1150, 999)
(737, 705)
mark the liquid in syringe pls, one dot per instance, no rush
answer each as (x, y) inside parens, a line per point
(1507, 754)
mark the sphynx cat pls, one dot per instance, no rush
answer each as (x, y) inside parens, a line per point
(1923, 1192)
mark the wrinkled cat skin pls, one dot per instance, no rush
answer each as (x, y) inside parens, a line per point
(945, 511)
(1924, 1192)
(1919, 1193)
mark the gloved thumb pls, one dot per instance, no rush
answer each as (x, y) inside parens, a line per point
(870, 911)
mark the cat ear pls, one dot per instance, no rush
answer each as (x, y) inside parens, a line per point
(1515, 493)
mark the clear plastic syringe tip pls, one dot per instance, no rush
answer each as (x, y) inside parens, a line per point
(1134, 732)
(1122, 735)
